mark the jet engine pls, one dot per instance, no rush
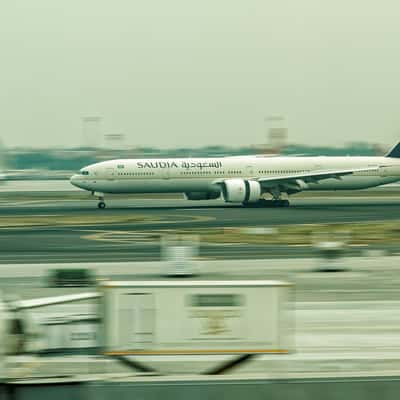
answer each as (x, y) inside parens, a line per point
(202, 195)
(241, 191)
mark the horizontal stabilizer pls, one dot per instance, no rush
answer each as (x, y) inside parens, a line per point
(395, 152)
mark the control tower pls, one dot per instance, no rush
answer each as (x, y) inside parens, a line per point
(277, 133)
(91, 129)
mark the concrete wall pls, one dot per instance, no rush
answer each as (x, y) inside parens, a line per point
(66, 391)
(215, 389)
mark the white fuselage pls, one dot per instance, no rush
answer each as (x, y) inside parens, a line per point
(205, 174)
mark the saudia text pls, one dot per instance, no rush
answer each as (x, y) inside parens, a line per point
(174, 164)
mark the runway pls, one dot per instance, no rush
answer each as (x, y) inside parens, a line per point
(177, 213)
(59, 230)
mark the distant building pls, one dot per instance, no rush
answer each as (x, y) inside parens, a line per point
(91, 130)
(277, 133)
(114, 141)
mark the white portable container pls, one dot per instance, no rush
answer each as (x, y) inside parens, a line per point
(70, 333)
(196, 317)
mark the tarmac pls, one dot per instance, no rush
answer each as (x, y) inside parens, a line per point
(346, 323)
(59, 230)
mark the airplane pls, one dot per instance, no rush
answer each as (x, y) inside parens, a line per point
(242, 180)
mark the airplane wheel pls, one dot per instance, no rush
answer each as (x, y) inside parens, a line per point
(258, 204)
(267, 203)
(101, 205)
(280, 203)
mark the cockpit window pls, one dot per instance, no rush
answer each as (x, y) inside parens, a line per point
(85, 172)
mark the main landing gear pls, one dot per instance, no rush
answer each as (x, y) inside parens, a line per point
(101, 204)
(277, 200)
(263, 203)
(280, 203)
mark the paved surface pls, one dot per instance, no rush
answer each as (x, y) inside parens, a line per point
(346, 322)
(181, 213)
(75, 230)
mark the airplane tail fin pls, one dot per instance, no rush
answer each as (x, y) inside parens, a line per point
(394, 152)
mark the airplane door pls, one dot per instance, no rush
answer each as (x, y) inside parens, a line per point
(110, 173)
(166, 173)
(384, 171)
(249, 170)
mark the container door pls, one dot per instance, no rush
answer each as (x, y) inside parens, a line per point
(136, 320)
(145, 318)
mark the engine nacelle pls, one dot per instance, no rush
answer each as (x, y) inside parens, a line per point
(241, 191)
(202, 195)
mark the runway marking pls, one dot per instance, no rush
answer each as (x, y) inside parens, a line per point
(63, 221)
(30, 215)
(119, 237)
(43, 203)
(114, 236)
(60, 220)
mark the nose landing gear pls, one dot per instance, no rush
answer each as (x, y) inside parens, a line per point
(101, 204)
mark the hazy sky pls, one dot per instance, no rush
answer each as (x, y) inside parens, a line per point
(189, 73)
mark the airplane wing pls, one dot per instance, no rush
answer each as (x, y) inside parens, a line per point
(310, 177)
(47, 301)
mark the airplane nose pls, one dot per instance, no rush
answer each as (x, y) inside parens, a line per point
(74, 180)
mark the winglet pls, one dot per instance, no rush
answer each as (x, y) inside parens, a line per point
(395, 152)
